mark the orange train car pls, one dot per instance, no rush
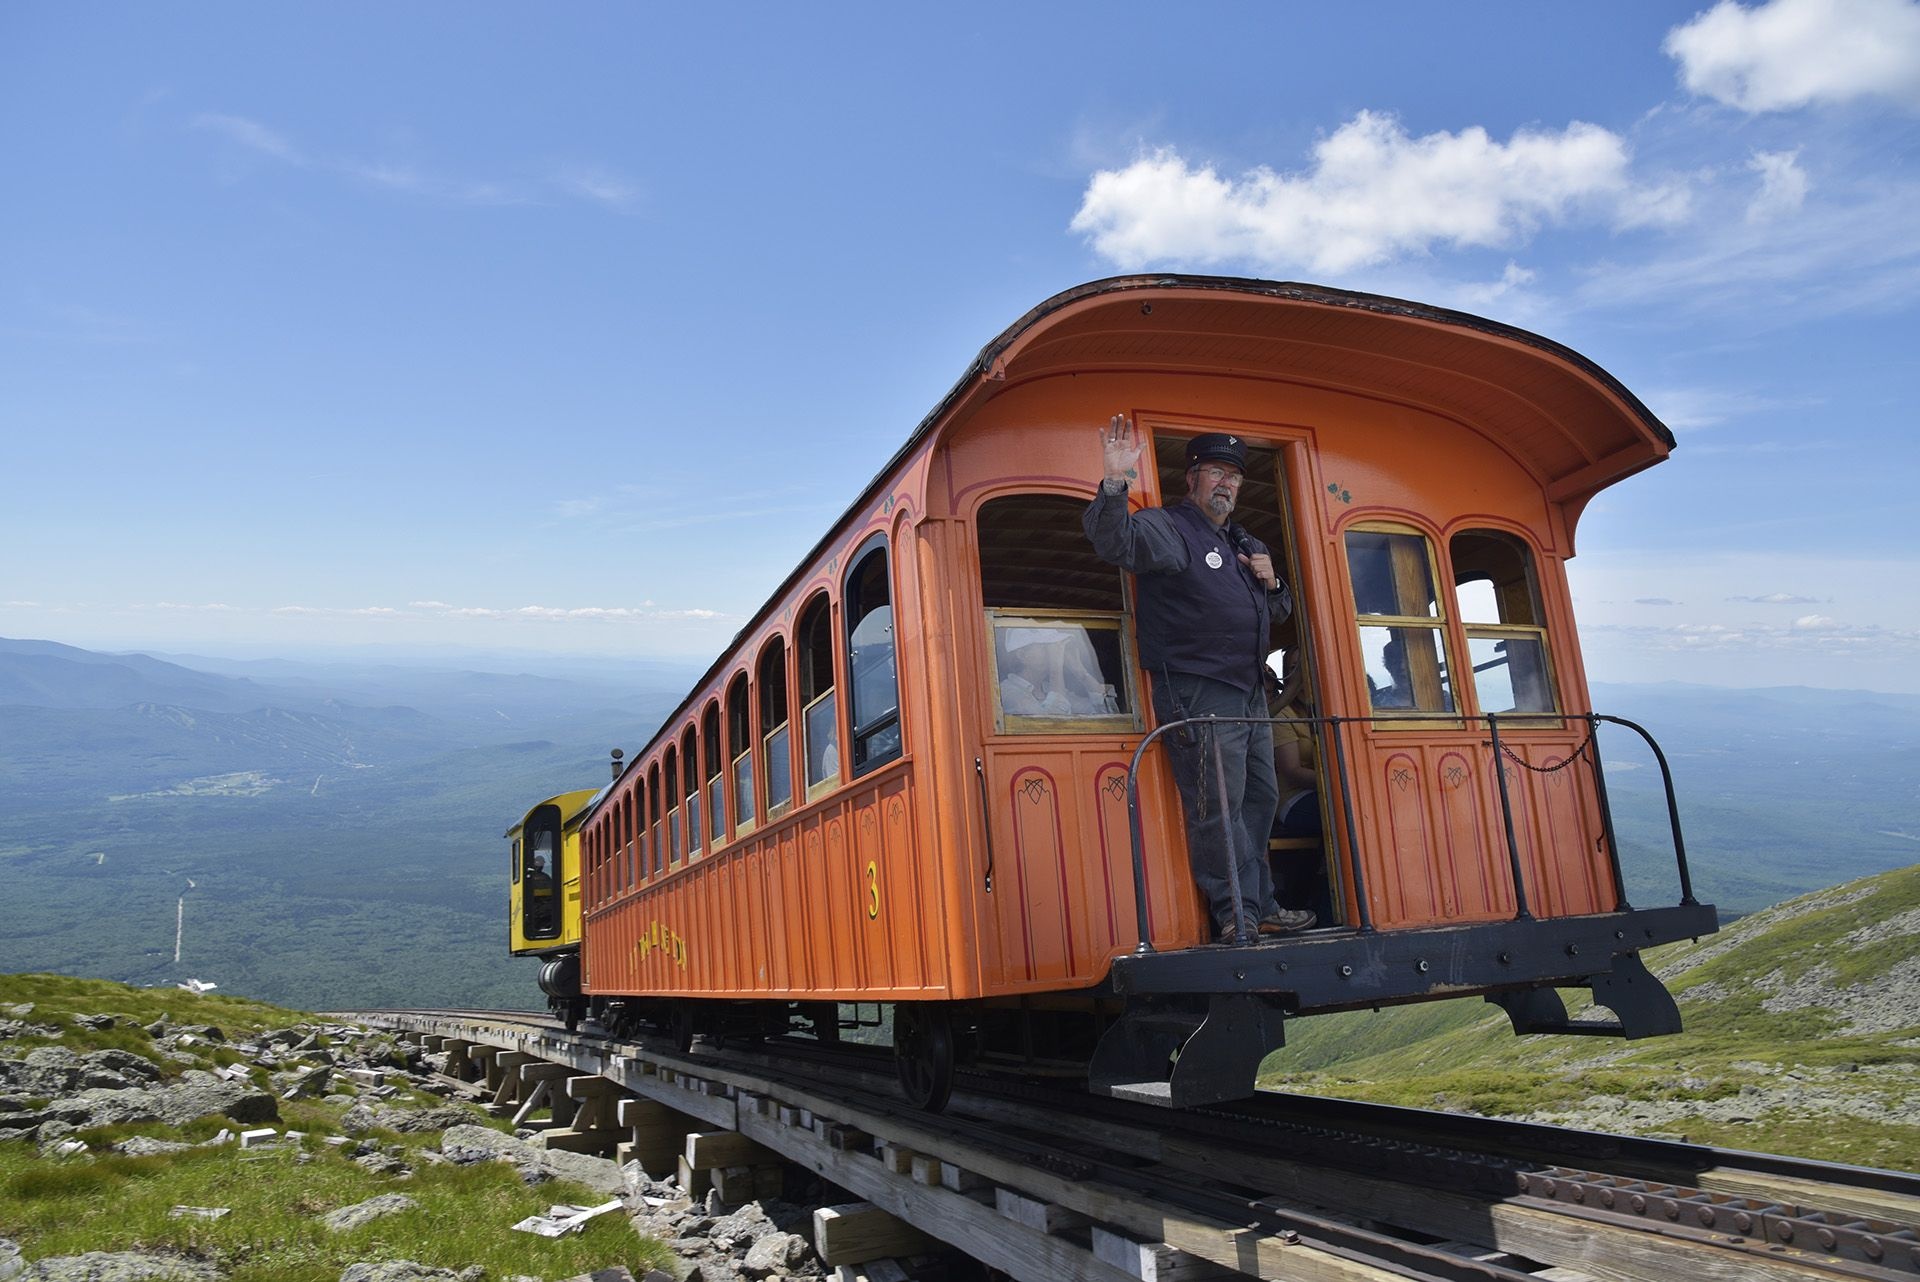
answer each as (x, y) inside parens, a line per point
(863, 801)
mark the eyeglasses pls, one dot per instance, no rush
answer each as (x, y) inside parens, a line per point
(1218, 474)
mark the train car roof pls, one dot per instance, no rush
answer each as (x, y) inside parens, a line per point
(1570, 422)
(573, 805)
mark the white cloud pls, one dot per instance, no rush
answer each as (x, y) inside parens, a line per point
(1783, 185)
(250, 134)
(1777, 598)
(1514, 278)
(1688, 409)
(594, 183)
(1818, 623)
(584, 183)
(1374, 193)
(1793, 53)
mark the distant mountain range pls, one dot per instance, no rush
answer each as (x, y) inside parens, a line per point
(339, 822)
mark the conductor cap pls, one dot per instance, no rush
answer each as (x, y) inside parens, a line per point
(1216, 447)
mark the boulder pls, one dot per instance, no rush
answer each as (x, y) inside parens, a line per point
(11, 1265)
(200, 1094)
(468, 1144)
(601, 1174)
(101, 1107)
(419, 1121)
(125, 1063)
(398, 1271)
(120, 1266)
(352, 1217)
(775, 1253)
(148, 1146)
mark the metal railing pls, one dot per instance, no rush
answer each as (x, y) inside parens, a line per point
(1335, 728)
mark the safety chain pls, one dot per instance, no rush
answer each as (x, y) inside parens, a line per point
(1576, 755)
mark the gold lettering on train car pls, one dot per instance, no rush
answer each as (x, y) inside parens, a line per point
(660, 937)
(873, 889)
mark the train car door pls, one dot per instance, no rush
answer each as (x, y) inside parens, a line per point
(540, 873)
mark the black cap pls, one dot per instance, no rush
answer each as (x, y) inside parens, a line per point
(1217, 447)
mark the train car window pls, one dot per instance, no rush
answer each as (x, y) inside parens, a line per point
(672, 770)
(1401, 620)
(820, 710)
(1034, 556)
(627, 870)
(1059, 673)
(1055, 615)
(642, 802)
(539, 907)
(710, 758)
(740, 742)
(873, 683)
(690, 771)
(776, 752)
(1499, 603)
(654, 860)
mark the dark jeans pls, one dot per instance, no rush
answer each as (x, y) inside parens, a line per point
(1246, 756)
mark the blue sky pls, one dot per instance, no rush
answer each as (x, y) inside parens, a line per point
(569, 328)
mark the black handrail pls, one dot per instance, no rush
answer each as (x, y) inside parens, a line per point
(1353, 867)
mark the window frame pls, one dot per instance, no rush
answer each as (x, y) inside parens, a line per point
(816, 628)
(739, 753)
(1440, 624)
(855, 611)
(1497, 631)
(775, 648)
(1013, 723)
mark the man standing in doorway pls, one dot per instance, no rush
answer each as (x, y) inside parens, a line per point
(1207, 596)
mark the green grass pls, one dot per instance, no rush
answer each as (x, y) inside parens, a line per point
(116, 1203)
(106, 1201)
(1464, 1056)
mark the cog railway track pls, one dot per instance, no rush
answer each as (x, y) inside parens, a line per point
(1045, 1182)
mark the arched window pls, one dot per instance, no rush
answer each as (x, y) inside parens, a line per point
(656, 860)
(740, 745)
(1401, 620)
(710, 759)
(672, 772)
(640, 826)
(819, 709)
(1499, 603)
(776, 757)
(1060, 652)
(625, 873)
(690, 774)
(873, 683)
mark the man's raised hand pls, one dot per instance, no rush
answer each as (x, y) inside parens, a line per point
(1120, 449)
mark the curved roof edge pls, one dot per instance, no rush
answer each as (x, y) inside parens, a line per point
(982, 365)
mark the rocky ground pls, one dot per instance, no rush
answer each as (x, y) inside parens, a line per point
(56, 1100)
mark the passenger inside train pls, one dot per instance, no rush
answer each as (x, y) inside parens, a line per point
(1052, 672)
(1296, 848)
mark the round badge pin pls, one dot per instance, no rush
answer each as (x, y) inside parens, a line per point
(1213, 560)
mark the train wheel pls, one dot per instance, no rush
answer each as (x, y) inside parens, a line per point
(923, 1053)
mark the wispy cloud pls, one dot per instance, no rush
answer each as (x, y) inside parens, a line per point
(1783, 185)
(252, 135)
(1776, 598)
(1796, 53)
(595, 184)
(1373, 193)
